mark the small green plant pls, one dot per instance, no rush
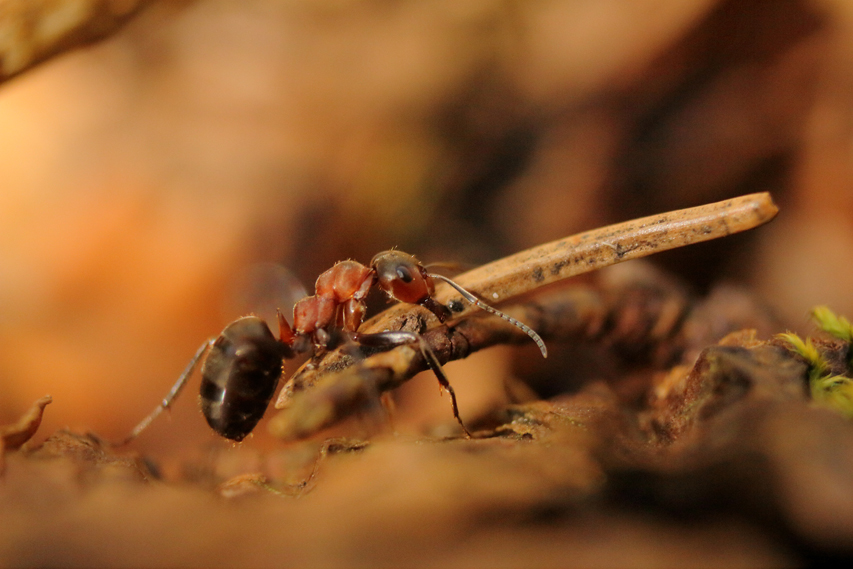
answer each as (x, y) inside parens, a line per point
(836, 326)
(835, 391)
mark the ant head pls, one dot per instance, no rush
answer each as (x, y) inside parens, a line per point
(402, 276)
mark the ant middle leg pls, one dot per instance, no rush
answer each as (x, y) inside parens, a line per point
(392, 339)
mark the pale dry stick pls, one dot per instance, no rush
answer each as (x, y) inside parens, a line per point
(518, 274)
(524, 272)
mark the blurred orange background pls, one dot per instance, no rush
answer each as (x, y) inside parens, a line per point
(144, 179)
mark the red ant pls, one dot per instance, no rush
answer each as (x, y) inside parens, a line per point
(243, 365)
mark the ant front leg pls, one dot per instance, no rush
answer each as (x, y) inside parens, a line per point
(392, 339)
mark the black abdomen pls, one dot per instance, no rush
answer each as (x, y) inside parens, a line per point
(239, 377)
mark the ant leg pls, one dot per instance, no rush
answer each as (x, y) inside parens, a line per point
(479, 303)
(170, 397)
(401, 338)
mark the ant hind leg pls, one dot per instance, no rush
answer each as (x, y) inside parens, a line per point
(170, 397)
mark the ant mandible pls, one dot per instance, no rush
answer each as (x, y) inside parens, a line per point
(243, 365)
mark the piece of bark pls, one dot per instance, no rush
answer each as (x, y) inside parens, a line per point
(737, 435)
(721, 376)
(84, 449)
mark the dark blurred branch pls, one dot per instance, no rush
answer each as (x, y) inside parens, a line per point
(32, 31)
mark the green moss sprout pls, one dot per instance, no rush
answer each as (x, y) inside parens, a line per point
(826, 388)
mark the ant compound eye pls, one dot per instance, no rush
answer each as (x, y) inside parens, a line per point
(455, 306)
(404, 274)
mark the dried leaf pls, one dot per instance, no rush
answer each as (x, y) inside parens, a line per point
(12, 437)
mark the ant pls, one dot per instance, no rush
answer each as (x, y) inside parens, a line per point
(243, 365)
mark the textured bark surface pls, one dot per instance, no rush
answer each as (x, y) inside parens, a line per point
(730, 445)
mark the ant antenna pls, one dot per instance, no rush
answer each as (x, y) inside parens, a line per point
(480, 304)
